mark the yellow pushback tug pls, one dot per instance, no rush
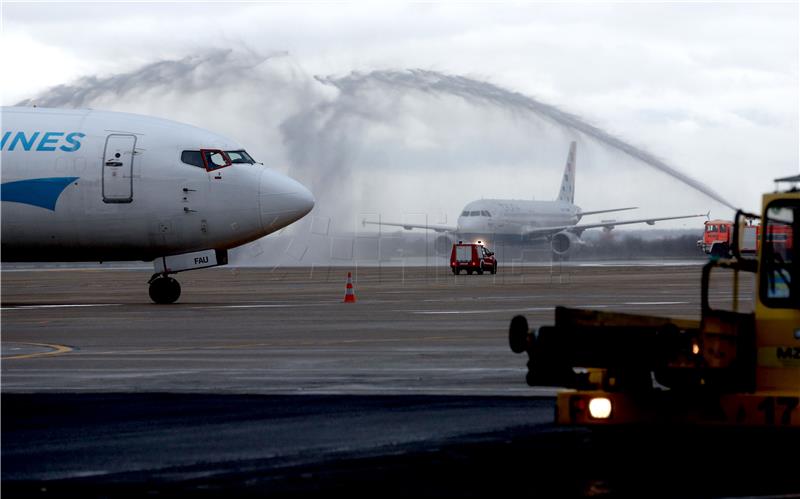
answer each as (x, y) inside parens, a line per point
(730, 368)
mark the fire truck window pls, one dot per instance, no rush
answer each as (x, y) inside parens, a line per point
(723, 228)
(779, 279)
(712, 228)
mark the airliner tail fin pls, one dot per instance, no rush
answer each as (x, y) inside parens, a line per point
(567, 192)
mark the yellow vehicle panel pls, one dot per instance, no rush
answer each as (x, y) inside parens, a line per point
(739, 409)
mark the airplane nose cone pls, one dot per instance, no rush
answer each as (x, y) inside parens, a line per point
(283, 200)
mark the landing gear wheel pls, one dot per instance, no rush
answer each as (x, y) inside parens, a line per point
(165, 290)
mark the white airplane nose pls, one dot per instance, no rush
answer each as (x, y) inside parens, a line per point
(283, 200)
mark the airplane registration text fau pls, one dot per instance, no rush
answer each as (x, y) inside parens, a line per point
(84, 185)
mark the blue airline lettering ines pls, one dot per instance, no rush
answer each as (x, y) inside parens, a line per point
(42, 141)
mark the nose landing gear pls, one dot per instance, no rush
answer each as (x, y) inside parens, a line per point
(164, 289)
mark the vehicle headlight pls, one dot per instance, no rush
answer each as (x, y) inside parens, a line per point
(600, 408)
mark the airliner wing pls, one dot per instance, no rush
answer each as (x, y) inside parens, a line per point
(434, 227)
(578, 229)
(595, 212)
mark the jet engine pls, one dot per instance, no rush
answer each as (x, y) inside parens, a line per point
(564, 242)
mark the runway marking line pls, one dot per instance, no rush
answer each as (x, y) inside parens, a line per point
(289, 343)
(536, 309)
(31, 307)
(656, 303)
(57, 350)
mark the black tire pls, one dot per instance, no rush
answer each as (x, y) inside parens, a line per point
(456, 270)
(165, 290)
(480, 270)
(720, 250)
(469, 271)
(494, 268)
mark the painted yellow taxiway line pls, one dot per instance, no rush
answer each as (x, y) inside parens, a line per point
(56, 350)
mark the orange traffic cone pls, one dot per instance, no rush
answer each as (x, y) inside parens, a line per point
(349, 295)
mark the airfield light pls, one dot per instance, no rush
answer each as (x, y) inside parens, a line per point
(695, 348)
(600, 408)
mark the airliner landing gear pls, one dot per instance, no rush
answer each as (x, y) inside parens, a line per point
(164, 289)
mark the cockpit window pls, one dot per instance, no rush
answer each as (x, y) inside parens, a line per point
(214, 159)
(464, 213)
(192, 158)
(240, 157)
(475, 213)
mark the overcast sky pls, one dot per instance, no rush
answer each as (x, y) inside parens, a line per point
(709, 88)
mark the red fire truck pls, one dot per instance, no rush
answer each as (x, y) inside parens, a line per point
(718, 238)
(472, 257)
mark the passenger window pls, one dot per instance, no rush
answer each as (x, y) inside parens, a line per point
(192, 158)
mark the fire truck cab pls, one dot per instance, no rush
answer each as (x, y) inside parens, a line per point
(716, 239)
(472, 257)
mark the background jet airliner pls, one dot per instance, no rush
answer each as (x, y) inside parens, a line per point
(521, 221)
(83, 185)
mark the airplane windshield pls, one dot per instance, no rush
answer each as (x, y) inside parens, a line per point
(240, 157)
(194, 158)
(214, 159)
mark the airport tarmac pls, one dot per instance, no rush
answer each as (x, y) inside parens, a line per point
(248, 330)
(261, 381)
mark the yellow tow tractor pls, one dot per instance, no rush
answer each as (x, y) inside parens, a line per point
(730, 368)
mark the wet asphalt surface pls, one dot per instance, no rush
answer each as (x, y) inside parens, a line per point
(261, 382)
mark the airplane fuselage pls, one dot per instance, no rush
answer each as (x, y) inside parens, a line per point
(507, 219)
(83, 185)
